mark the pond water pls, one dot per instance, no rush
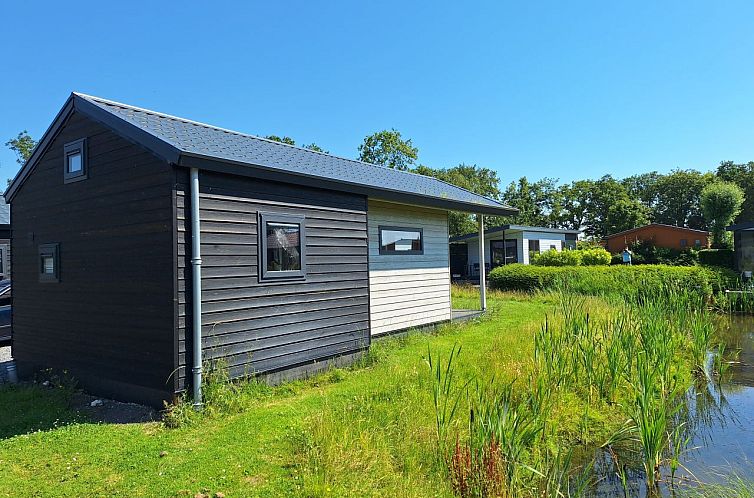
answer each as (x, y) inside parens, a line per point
(719, 416)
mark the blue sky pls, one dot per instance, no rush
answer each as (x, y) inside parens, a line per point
(561, 89)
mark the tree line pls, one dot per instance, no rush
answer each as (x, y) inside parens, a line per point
(684, 197)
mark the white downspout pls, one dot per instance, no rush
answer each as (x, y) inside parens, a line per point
(196, 287)
(482, 267)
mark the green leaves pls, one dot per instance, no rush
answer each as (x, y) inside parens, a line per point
(23, 145)
(388, 148)
(721, 202)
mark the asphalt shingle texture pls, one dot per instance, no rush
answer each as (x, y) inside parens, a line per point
(198, 138)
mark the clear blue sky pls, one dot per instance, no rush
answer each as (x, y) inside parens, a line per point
(561, 89)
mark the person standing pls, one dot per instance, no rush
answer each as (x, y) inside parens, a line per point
(626, 256)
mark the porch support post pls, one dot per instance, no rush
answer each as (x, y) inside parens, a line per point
(482, 266)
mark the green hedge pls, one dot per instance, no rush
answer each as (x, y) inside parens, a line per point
(593, 256)
(554, 257)
(601, 280)
(717, 257)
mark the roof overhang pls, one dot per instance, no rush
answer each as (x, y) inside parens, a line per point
(745, 226)
(266, 173)
(514, 228)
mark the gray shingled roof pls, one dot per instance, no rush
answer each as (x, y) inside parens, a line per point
(190, 137)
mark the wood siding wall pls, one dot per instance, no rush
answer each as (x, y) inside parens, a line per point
(414, 289)
(109, 320)
(257, 327)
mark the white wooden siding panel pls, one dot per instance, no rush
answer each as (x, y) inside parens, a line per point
(411, 289)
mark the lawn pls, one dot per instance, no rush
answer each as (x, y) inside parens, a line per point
(368, 430)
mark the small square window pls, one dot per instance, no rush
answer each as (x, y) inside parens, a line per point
(74, 156)
(282, 247)
(49, 263)
(684, 243)
(398, 240)
(74, 162)
(698, 243)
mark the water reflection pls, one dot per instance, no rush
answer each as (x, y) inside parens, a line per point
(719, 424)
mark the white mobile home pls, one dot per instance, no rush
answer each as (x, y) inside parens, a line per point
(505, 245)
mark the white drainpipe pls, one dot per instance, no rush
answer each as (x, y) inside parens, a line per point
(482, 268)
(196, 297)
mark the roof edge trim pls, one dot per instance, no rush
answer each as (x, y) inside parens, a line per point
(217, 165)
(76, 103)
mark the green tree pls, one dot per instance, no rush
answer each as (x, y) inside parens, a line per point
(574, 199)
(284, 140)
(388, 148)
(678, 198)
(721, 202)
(316, 148)
(538, 203)
(610, 209)
(643, 187)
(482, 181)
(743, 176)
(625, 213)
(23, 145)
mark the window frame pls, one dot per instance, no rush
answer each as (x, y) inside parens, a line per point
(534, 242)
(387, 252)
(684, 243)
(3, 260)
(69, 149)
(45, 250)
(266, 275)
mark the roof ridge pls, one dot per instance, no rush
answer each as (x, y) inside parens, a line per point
(274, 142)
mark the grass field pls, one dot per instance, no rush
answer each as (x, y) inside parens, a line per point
(362, 431)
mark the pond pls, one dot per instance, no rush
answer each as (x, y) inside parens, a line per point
(719, 416)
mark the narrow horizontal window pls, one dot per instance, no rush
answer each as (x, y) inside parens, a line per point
(283, 246)
(49, 260)
(399, 240)
(74, 161)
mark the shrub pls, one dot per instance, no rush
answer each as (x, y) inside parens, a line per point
(557, 258)
(623, 280)
(717, 257)
(595, 256)
(646, 253)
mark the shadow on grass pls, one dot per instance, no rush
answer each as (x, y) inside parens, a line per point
(30, 408)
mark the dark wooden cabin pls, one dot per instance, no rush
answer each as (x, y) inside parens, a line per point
(294, 269)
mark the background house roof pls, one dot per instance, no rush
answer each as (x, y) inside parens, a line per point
(519, 228)
(659, 225)
(192, 144)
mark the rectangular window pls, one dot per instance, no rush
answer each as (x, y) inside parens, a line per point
(398, 240)
(282, 246)
(553, 247)
(49, 260)
(684, 242)
(697, 243)
(533, 245)
(74, 161)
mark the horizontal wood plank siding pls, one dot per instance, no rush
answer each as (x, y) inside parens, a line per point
(109, 320)
(256, 327)
(414, 289)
